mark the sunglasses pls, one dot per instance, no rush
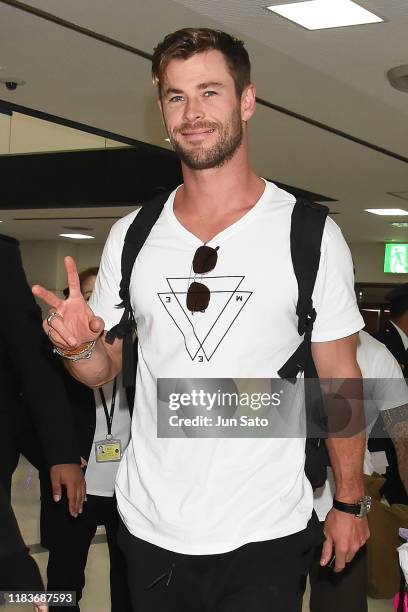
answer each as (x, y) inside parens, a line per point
(198, 295)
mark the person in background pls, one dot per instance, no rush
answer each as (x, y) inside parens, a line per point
(395, 338)
(87, 280)
(18, 570)
(395, 334)
(31, 388)
(386, 391)
(102, 420)
(30, 374)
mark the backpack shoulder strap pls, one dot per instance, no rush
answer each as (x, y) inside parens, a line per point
(307, 225)
(135, 238)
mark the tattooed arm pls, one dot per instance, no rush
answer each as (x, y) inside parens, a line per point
(396, 423)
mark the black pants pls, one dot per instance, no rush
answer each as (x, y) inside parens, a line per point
(68, 540)
(345, 591)
(18, 570)
(257, 577)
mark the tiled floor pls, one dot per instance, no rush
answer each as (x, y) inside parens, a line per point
(96, 594)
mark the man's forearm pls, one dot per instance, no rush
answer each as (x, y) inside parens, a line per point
(396, 422)
(347, 458)
(347, 439)
(103, 365)
(342, 390)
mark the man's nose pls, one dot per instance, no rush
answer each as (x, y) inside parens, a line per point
(193, 110)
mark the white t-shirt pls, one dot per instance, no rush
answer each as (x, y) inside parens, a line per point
(207, 496)
(387, 388)
(100, 477)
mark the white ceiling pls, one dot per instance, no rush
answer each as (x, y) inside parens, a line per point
(336, 77)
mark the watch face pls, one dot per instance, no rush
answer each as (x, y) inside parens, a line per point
(365, 506)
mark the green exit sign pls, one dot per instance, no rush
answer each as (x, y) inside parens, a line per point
(396, 258)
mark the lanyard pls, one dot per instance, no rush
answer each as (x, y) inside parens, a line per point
(109, 416)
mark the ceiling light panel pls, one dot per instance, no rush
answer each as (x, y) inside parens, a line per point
(78, 236)
(321, 14)
(390, 212)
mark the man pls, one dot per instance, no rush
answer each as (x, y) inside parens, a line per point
(395, 334)
(395, 338)
(216, 524)
(32, 373)
(385, 391)
(18, 570)
(29, 373)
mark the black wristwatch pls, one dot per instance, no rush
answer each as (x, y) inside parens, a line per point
(360, 509)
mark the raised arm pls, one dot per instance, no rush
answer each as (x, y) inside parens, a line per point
(345, 533)
(78, 335)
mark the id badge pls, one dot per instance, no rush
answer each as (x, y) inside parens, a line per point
(108, 450)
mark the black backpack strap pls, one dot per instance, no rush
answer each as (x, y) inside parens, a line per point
(135, 238)
(307, 225)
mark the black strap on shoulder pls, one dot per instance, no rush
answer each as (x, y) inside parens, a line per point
(307, 225)
(135, 238)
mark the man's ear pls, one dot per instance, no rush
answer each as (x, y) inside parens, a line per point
(248, 102)
(159, 104)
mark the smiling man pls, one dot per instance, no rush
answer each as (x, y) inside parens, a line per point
(221, 524)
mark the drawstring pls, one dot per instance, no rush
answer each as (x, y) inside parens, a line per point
(167, 575)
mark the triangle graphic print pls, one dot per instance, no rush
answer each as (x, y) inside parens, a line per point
(204, 332)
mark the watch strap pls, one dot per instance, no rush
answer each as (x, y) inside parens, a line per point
(349, 508)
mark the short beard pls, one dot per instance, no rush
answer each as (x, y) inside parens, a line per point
(230, 138)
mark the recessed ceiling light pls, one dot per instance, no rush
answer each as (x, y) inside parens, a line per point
(390, 212)
(76, 236)
(320, 14)
(167, 139)
(400, 224)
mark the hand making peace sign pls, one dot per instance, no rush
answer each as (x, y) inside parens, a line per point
(70, 322)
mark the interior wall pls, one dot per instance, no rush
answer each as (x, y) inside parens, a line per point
(39, 261)
(369, 264)
(43, 261)
(23, 134)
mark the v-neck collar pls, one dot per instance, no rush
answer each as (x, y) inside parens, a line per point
(226, 232)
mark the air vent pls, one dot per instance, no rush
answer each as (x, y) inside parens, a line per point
(78, 228)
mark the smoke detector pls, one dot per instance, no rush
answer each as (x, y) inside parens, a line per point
(398, 77)
(11, 82)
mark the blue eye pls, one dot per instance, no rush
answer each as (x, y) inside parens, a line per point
(176, 99)
(209, 94)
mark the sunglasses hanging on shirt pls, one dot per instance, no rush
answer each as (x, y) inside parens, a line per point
(198, 294)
